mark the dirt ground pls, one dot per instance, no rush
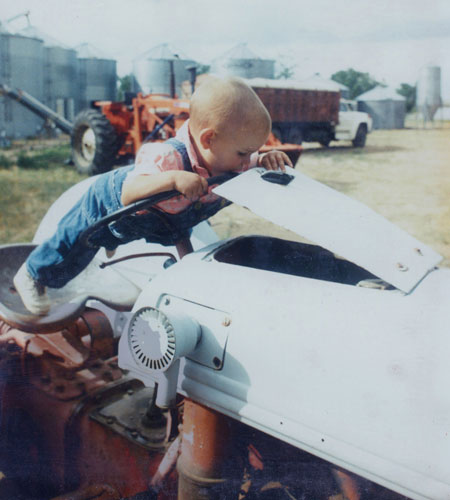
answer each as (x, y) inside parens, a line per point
(403, 175)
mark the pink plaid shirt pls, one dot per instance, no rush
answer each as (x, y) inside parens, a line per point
(155, 157)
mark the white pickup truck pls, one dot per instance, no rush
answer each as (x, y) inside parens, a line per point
(353, 125)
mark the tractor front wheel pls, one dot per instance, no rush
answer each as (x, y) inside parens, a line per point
(94, 142)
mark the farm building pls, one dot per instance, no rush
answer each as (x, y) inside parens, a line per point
(62, 78)
(153, 70)
(242, 62)
(97, 76)
(385, 106)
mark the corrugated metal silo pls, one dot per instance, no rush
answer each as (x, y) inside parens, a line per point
(61, 88)
(21, 67)
(97, 76)
(152, 70)
(242, 62)
(3, 140)
(385, 106)
(428, 98)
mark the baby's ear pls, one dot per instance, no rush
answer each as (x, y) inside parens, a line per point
(206, 137)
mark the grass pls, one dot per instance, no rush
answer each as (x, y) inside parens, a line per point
(5, 162)
(49, 158)
(29, 184)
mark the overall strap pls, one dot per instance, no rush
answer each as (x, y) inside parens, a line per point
(180, 147)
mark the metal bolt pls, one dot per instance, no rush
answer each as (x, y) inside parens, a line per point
(130, 392)
(134, 433)
(401, 267)
(166, 301)
(217, 362)
(419, 251)
(226, 321)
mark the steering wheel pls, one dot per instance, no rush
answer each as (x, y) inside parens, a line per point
(143, 204)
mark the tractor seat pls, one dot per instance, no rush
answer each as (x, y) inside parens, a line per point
(106, 285)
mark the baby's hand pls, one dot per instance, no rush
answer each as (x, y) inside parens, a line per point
(191, 185)
(274, 160)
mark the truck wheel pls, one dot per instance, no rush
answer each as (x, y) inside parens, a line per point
(94, 142)
(360, 138)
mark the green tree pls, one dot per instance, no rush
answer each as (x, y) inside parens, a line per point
(357, 82)
(124, 85)
(409, 92)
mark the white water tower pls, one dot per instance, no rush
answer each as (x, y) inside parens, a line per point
(428, 98)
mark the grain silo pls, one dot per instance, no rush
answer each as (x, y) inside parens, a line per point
(97, 76)
(61, 89)
(161, 70)
(386, 107)
(21, 67)
(242, 62)
(428, 98)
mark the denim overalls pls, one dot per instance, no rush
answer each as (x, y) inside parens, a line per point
(62, 257)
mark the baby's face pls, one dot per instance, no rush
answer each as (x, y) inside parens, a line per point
(232, 152)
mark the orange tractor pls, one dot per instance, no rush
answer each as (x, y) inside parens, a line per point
(112, 132)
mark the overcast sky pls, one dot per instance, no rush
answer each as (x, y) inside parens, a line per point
(390, 39)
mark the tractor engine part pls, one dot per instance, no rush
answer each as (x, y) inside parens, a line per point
(156, 342)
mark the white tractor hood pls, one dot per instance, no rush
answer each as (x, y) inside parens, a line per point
(335, 222)
(355, 375)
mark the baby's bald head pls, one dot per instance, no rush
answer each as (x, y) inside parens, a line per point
(227, 106)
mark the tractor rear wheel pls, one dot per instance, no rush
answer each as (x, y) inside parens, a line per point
(94, 142)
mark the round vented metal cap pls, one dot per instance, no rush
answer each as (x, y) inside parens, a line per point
(151, 339)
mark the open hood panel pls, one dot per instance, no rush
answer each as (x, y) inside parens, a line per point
(335, 222)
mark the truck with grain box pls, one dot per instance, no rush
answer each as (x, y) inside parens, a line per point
(302, 113)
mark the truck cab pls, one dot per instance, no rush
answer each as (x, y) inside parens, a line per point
(353, 125)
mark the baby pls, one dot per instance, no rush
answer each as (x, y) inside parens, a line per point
(227, 126)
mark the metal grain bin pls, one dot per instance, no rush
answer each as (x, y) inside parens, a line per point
(97, 76)
(22, 64)
(240, 61)
(385, 106)
(152, 70)
(428, 98)
(61, 88)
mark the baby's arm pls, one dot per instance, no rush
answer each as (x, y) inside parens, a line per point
(142, 186)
